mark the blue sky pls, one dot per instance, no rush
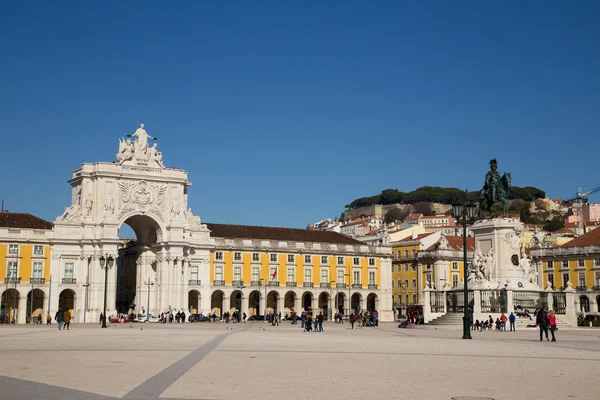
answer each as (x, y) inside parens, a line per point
(283, 112)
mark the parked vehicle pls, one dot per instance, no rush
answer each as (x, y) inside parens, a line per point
(142, 318)
(198, 318)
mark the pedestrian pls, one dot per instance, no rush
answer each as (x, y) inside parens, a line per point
(183, 317)
(321, 318)
(552, 322)
(316, 324)
(303, 319)
(503, 321)
(58, 317)
(244, 316)
(48, 319)
(512, 318)
(101, 318)
(541, 320)
(66, 319)
(352, 320)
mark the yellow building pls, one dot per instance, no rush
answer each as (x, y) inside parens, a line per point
(25, 255)
(294, 269)
(441, 265)
(575, 264)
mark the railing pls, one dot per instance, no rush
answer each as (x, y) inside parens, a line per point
(218, 283)
(274, 283)
(308, 284)
(356, 286)
(559, 303)
(13, 279)
(254, 283)
(194, 282)
(493, 301)
(69, 281)
(581, 288)
(237, 283)
(372, 286)
(324, 285)
(455, 301)
(526, 300)
(437, 301)
(340, 285)
(37, 281)
(291, 284)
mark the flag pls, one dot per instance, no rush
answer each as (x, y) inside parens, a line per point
(274, 274)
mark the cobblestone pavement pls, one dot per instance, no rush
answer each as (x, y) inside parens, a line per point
(257, 360)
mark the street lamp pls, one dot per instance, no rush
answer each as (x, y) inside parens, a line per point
(349, 299)
(148, 305)
(330, 313)
(265, 283)
(241, 288)
(465, 210)
(107, 264)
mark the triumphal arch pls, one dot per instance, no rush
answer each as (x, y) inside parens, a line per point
(138, 190)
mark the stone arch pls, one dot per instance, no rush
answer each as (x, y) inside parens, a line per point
(307, 301)
(289, 300)
(584, 304)
(148, 230)
(194, 301)
(9, 307)
(216, 302)
(372, 302)
(66, 301)
(355, 302)
(340, 301)
(235, 301)
(254, 303)
(272, 298)
(35, 304)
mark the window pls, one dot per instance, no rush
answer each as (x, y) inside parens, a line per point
(323, 259)
(565, 279)
(237, 256)
(393, 284)
(237, 273)
(193, 272)
(13, 249)
(255, 257)
(581, 263)
(581, 280)
(565, 264)
(399, 284)
(414, 267)
(38, 270)
(597, 279)
(307, 259)
(38, 250)
(290, 258)
(255, 273)
(356, 277)
(273, 273)
(291, 274)
(307, 275)
(405, 253)
(428, 266)
(393, 297)
(273, 258)
(551, 280)
(218, 273)
(549, 265)
(406, 299)
(340, 276)
(372, 278)
(324, 276)
(371, 261)
(406, 284)
(597, 262)
(414, 299)
(219, 255)
(405, 267)
(69, 270)
(340, 260)
(356, 261)
(454, 265)
(428, 278)
(454, 280)
(414, 253)
(12, 270)
(414, 283)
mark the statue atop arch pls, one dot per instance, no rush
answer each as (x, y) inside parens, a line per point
(138, 152)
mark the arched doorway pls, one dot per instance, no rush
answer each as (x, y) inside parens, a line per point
(355, 301)
(324, 304)
(235, 301)
(254, 303)
(307, 299)
(272, 301)
(371, 302)
(289, 301)
(10, 306)
(584, 304)
(216, 302)
(194, 302)
(35, 304)
(340, 301)
(66, 301)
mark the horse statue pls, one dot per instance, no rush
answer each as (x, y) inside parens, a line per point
(496, 189)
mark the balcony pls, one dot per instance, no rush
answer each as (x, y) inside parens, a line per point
(69, 281)
(254, 283)
(372, 286)
(582, 288)
(13, 279)
(291, 284)
(237, 283)
(274, 283)
(218, 283)
(194, 282)
(37, 281)
(340, 285)
(324, 285)
(308, 284)
(356, 286)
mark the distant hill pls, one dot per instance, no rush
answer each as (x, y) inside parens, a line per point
(435, 194)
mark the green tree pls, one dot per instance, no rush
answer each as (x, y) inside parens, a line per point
(395, 214)
(554, 224)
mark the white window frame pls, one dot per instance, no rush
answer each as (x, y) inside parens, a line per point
(69, 272)
(218, 255)
(291, 258)
(36, 248)
(37, 273)
(454, 265)
(340, 260)
(218, 273)
(272, 269)
(565, 264)
(405, 267)
(597, 262)
(568, 275)
(581, 263)
(291, 274)
(237, 272)
(371, 262)
(324, 259)
(372, 278)
(356, 261)
(193, 272)
(549, 264)
(308, 275)
(255, 273)
(393, 284)
(237, 256)
(356, 277)
(12, 269)
(581, 283)
(551, 279)
(13, 249)
(454, 280)
(307, 259)
(414, 283)
(255, 257)
(324, 275)
(272, 257)
(341, 276)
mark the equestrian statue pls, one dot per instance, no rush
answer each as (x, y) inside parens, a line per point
(495, 189)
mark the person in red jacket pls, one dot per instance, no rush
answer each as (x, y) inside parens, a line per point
(352, 320)
(552, 323)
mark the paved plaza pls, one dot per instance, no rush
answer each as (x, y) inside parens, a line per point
(260, 361)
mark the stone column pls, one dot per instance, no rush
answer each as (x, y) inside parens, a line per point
(550, 293)
(363, 302)
(509, 301)
(226, 303)
(245, 300)
(22, 311)
(477, 304)
(280, 304)
(298, 305)
(571, 310)
(427, 305)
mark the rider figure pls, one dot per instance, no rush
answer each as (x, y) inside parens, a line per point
(492, 181)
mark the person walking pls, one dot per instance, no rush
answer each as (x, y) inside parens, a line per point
(48, 319)
(352, 320)
(552, 322)
(512, 318)
(244, 317)
(503, 321)
(541, 320)
(303, 319)
(321, 318)
(58, 317)
(66, 319)
(101, 318)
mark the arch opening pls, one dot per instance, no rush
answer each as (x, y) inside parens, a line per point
(194, 301)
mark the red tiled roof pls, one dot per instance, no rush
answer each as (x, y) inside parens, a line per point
(283, 234)
(23, 221)
(588, 239)
(413, 216)
(456, 243)
(419, 237)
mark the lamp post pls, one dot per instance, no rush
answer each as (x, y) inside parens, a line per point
(349, 298)
(330, 313)
(148, 305)
(241, 289)
(107, 264)
(265, 283)
(464, 211)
